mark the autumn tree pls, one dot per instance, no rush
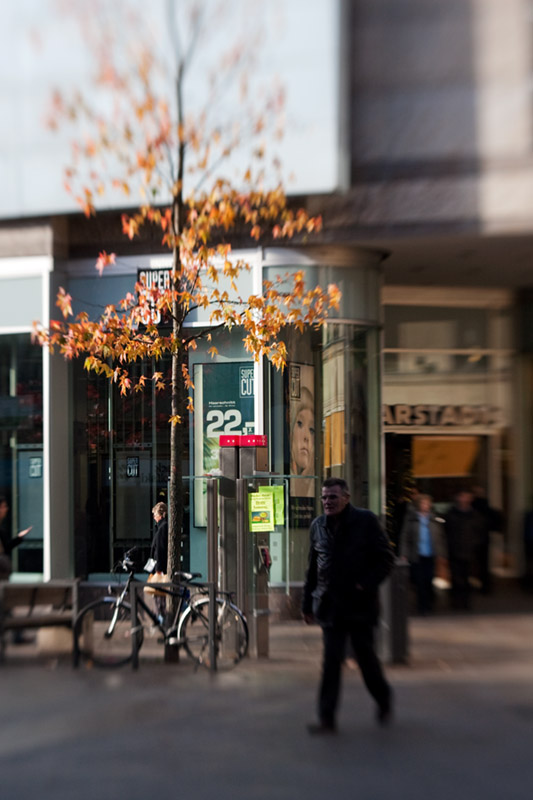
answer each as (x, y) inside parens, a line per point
(145, 141)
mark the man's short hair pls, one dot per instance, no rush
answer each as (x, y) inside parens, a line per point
(160, 508)
(340, 482)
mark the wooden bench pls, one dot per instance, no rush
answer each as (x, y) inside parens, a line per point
(37, 605)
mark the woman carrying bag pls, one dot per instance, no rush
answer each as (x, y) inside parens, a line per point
(157, 563)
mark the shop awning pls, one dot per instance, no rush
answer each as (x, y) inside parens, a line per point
(444, 456)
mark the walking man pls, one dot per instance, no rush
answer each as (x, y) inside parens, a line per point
(464, 534)
(349, 557)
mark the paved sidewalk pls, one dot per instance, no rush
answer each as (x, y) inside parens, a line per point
(462, 729)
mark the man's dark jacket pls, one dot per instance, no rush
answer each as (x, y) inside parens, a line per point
(464, 533)
(346, 566)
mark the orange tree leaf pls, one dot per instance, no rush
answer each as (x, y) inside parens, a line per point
(63, 302)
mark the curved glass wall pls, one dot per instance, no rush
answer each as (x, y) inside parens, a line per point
(325, 418)
(324, 422)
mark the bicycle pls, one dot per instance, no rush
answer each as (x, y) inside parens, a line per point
(104, 628)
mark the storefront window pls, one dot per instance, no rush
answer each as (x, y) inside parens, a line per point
(429, 327)
(446, 402)
(122, 467)
(21, 451)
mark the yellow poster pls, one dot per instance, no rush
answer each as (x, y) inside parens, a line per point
(278, 493)
(261, 511)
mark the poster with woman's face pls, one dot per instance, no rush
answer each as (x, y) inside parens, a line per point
(302, 429)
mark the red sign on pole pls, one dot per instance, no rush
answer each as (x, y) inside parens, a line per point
(253, 440)
(229, 441)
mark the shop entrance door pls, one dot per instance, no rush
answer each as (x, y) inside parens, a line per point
(437, 464)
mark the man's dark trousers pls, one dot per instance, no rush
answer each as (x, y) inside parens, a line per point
(361, 635)
(422, 573)
(460, 589)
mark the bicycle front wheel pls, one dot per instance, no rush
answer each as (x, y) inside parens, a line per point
(231, 632)
(103, 633)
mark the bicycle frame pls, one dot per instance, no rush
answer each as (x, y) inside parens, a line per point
(179, 594)
(136, 601)
(167, 631)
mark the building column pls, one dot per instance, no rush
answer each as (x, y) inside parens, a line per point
(58, 539)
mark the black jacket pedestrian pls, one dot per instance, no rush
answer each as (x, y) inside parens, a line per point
(492, 517)
(348, 559)
(7, 544)
(464, 533)
(159, 550)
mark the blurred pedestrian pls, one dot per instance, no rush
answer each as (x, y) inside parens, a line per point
(421, 543)
(7, 544)
(492, 521)
(464, 533)
(349, 557)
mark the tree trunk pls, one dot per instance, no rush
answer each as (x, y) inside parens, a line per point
(176, 469)
(177, 430)
(175, 500)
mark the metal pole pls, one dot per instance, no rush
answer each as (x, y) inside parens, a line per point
(212, 627)
(242, 554)
(212, 531)
(134, 623)
(212, 566)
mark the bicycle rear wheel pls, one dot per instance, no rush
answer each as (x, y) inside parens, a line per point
(102, 633)
(231, 632)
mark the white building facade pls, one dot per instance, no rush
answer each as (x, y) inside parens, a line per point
(416, 148)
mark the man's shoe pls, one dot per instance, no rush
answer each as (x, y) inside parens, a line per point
(322, 728)
(384, 713)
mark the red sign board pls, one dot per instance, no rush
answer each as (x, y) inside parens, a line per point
(254, 440)
(229, 441)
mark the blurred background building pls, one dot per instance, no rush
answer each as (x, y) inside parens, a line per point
(409, 127)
